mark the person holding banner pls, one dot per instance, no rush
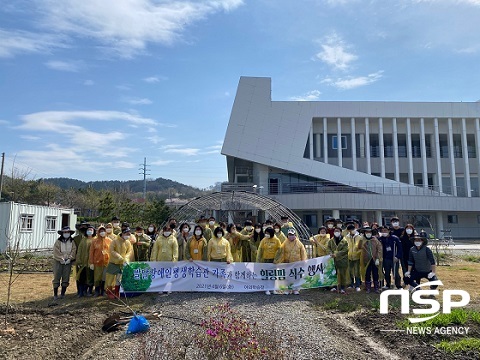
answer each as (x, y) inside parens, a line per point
(268, 247)
(291, 251)
(166, 246)
(247, 248)
(320, 242)
(238, 242)
(219, 247)
(121, 251)
(338, 249)
(196, 248)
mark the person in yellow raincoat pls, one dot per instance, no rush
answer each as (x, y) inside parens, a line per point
(248, 248)
(353, 237)
(338, 249)
(196, 248)
(370, 259)
(165, 247)
(219, 247)
(141, 245)
(268, 248)
(84, 273)
(320, 242)
(238, 241)
(121, 251)
(278, 232)
(98, 259)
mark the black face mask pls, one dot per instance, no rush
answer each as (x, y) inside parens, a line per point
(172, 226)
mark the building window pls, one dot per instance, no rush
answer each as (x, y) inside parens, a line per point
(26, 222)
(310, 220)
(51, 223)
(334, 142)
(452, 219)
(478, 219)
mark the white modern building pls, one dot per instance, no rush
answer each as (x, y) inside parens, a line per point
(32, 227)
(364, 159)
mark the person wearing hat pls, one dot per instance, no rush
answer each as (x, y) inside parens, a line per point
(64, 251)
(109, 229)
(237, 241)
(218, 248)
(330, 225)
(84, 273)
(286, 224)
(98, 259)
(370, 258)
(421, 263)
(290, 251)
(121, 251)
(207, 233)
(320, 242)
(338, 250)
(247, 246)
(141, 245)
(353, 237)
(396, 229)
(117, 230)
(166, 246)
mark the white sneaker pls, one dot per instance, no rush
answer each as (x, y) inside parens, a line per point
(358, 289)
(385, 287)
(286, 292)
(275, 292)
(267, 292)
(296, 292)
(334, 289)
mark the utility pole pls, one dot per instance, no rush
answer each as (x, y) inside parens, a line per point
(143, 172)
(1, 176)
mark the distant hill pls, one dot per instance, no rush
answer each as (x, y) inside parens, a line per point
(160, 185)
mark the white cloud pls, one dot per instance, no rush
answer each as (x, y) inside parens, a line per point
(124, 165)
(69, 66)
(350, 82)
(139, 101)
(161, 162)
(123, 87)
(88, 82)
(154, 79)
(183, 151)
(155, 139)
(171, 146)
(335, 52)
(18, 42)
(309, 96)
(29, 137)
(128, 26)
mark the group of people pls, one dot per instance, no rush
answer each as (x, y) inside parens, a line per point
(373, 254)
(368, 253)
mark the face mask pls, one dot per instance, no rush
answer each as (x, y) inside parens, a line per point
(166, 233)
(66, 235)
(277, 230)
(89, 232)
(336, 234)
(109, 230)
(198, 232)
(291, 237)
(330, 226)
(418, 243)
(384, 234)
(102, 233)
(395, 223)
(352, 232)
(185, 230)
(139, 234)
(258, 231)
(267, 236)
(116, 224)
(173, 226)
(150, 229)
(126, 237)
(368, 236)
(339, 226)
(211, 222)
(249, 228)
(219, 235)
(409, 231)
(322, 234)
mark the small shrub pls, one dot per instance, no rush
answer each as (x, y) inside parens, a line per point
(468, 344)
(471, 258)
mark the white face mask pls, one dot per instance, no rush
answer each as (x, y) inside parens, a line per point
(277, 230)
(102, 233)
(267, 236)
(166, 233)
(409, 231)
(258, 231)
(126, 237)
(395, 223)
(322, 234)
(109, 230)
(150, 229)
(384, 234)
(211, 222)
(330, 226)
(89, 232)
(249, 228)
(337, 234)
(66, 235)
(186, 230)
(418, 243)
(368, 236)
(198, 232)
(139, 234)
(219, 235)
(116, 224)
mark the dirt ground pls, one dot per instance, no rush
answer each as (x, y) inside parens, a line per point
(71, 327)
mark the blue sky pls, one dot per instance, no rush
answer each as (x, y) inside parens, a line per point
(89, 88)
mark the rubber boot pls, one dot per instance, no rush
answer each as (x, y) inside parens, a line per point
(97, 291)
(64, 290)
(376, 287)
(55, 293)
(82, 291)
(102, 288)
(368, 286)
(79, 288)
(117, 291)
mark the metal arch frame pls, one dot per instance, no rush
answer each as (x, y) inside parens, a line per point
(240, 200)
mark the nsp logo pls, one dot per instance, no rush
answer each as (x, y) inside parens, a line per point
(424, 297)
